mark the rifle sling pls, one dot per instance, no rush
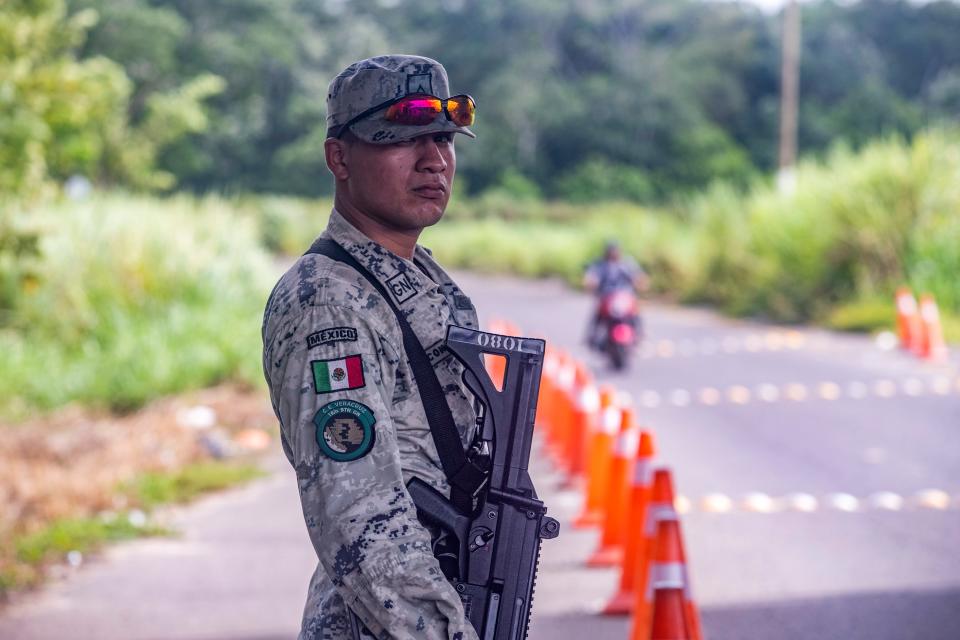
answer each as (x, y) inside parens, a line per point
(465, 478)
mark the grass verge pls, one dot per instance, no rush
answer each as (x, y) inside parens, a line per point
(25, 556)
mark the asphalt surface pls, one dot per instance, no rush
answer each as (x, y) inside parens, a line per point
(819, 477)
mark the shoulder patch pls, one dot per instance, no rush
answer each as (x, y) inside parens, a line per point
(338, 374)
(345, 430)
(331, 335)
(462, 302)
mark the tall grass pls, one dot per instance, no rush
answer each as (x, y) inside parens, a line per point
(134, 298)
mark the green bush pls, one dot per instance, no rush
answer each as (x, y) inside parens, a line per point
(135, 298)
(858, 226)
(597, 180)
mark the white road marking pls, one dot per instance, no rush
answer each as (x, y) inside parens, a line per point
(738, 394)
(687, 348)
(797, 392)
(912, 387)
(885, 501)
(886, 341)
(716, 503)
(941, 385)
(842, 502)
(884, 388)
(759, 502)
(829, 390)
(768, 392)
(933, 499)
(680, 397)
(803, 502)
(710, 396)
(665, 349)
(650, 399)
(857, 389)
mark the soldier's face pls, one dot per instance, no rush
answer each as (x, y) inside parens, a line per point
(405, 185)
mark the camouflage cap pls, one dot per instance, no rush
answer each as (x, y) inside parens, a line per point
(374, 81)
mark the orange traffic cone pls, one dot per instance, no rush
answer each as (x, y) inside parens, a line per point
(563, 399)
(545, 398)
(666, 566)
(610, 550)
(661, 503)
(598, 462)
(908, 319)
(640, 487)
(932, 346)
(668, 582)
(582, 423)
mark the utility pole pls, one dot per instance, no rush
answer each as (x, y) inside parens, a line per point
(789, 97)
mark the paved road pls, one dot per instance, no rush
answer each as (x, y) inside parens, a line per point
(821, 474)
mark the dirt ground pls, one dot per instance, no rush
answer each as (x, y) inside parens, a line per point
(70, 463)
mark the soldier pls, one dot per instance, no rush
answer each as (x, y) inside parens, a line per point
(352, 422)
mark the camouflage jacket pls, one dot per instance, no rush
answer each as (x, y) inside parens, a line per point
(355, 431)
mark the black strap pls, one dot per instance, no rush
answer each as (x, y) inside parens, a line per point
(465, 478)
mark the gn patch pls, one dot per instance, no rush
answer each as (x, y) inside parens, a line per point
(345, 430)
(401, 287)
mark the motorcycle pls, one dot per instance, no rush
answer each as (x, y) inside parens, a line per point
(618, 331)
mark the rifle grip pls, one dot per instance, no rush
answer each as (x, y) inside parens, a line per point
(435, 509)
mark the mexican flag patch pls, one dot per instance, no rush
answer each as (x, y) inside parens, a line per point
(337, 375)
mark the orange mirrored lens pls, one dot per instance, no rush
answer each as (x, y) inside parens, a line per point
(461, 110)
(417, 111)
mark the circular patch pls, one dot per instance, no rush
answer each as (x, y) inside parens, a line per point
(345, 429)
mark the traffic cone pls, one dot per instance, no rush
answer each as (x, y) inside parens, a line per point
(665, 562)
(667, 583)
(583, 421)
(610, 550)
(932, 345)
(563, 399)
(909, 328)
(553, 401)
(661, 502)
(545, 398)
(640, 488)
(598, 460)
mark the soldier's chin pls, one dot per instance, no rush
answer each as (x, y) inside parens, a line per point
(429, 213)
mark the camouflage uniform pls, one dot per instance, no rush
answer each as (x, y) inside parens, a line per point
(373, 552)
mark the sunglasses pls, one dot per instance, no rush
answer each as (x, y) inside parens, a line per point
(420, 110)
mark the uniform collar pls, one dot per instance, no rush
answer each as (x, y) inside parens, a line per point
(400, 276)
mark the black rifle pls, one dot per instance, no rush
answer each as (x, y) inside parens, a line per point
(497, 547)
(491, 555)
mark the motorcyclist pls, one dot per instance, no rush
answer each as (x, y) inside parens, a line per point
(611, 273)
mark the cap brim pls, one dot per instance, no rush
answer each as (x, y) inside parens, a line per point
(376, 130)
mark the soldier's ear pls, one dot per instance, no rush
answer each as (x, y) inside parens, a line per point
(337, 154)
